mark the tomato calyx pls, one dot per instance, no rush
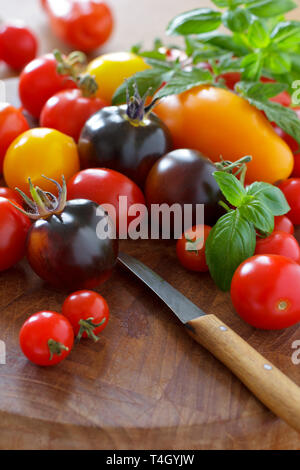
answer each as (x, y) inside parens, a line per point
(74, 66)
(137, 111)
(43, 203)
(87, 326)
(56, 348)
(192, 245)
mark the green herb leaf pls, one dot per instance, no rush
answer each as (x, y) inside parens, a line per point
(258, 36)
(230, 242)
(182, 81)
(270, 8)
(278, 62)
(226, 42)
(231, 187)
(221, 3)
(286, 34)
(151, 78)
(271, 196)
(252, 64)
(198, 21)
(237, 20)
(261, 91)
(259, 214)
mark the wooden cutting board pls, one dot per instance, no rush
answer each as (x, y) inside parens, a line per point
(145, 384)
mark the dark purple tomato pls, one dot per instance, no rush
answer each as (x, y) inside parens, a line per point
(186, 177)
(112, 140)
(65, 250)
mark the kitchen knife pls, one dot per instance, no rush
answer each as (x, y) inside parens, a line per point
(267, 383)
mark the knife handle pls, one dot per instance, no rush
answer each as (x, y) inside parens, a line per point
(266, 382)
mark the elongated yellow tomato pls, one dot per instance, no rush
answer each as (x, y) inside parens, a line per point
(40, 152)
(110, 71)
(218, 123)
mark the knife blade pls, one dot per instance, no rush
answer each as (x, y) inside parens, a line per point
(267, 383)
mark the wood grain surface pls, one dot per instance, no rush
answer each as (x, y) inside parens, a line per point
(146, 384)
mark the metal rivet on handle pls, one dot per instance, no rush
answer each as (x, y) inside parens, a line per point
(268, 367)
(223, 328)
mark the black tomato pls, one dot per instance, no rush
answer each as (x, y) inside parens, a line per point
(63, 246)
(185, 177)
(127, 138)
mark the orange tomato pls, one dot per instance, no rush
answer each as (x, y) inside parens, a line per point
(219, 123)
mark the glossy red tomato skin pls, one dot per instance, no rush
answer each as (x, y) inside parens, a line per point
(291, 190)
(283, 224)
(36, 332)
(84, 25)
(18, 45)
(265, 292)
(83, 305)
(105, 186)
(279, 243)
(193, 260)
(39, 81)
(10, 194)
(12, 124)
(296, 170)
(68, 111)
(14, 227)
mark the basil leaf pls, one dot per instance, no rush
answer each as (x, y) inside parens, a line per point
(271, 196)
(151, 78)
(200, 20)
(230, 242)
(278, 62)
(284, 117)
(237, 20)
(258, 36)
(226, 42)
(261, 91)
(182, 81)
(286, 34)
(259, 214)
(231, 187)
(221, 3)
(270, 8)
(252, 64)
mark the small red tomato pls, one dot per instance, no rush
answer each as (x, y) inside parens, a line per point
(18, 45)
(230, 79)
(279, 243)
(87, 312)
(190, 248)
(296, 170)
(12, 195)
(105, 186)
(39, 81)
(283, 224)
(291, 190)
(265, 291)
(14, 227)
(46, 338)
(68, 111)
(12, 124)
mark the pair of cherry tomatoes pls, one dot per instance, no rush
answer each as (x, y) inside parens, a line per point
(47, 338)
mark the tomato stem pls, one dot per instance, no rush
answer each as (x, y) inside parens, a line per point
(88, 327)
(137, 110)
(56, 348)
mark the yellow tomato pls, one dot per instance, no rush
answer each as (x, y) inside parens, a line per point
(219, 123)
(40, 152)
(110, 71)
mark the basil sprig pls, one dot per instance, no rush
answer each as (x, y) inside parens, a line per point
(233, 238)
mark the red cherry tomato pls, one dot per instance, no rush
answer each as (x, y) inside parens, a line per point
(84, 25)
(296, 170)
(12, 195)
(68, 111)
(283, 224)
(105, 186)
(279, 243)
(291, 190)
(265, 291)
(18, 45)
(14, 227)
(12, 124)
(190, 248)
(87, 312)
(46, 338)
(39, 81)
(230, 79)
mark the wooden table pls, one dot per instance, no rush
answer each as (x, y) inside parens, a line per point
(146, 384)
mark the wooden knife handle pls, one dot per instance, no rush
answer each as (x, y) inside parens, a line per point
(269, 384)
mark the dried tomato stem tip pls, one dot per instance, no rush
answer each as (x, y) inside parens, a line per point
(88, 327)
